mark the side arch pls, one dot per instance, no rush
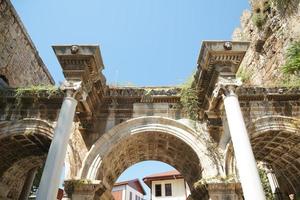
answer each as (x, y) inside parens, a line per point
(23, 146)
(276, 141)
(151, 138)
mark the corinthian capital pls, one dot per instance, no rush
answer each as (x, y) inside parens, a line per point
(74, 89)
(226, 86)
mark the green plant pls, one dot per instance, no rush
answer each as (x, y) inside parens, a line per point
(189, 99)
(290, 81)
(266, 185)
(281, 4)
(292, 65)
(244, 75)
(35, 92)
(259, 19)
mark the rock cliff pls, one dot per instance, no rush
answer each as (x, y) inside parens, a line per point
(271, 26)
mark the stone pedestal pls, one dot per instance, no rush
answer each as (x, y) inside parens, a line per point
(83, 189)
(225, 191)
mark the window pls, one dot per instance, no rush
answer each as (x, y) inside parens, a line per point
(136, 197)
(158, 190)
(168, 189)
(130, 196)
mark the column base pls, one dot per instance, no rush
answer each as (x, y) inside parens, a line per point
(83, 189)
(225, 191)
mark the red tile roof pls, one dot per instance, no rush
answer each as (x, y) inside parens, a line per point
(135, 183)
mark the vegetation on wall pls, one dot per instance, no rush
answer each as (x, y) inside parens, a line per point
(189, 99)
(261, 9)
(259, 20)
(292, 65)
(244, 75)
(266, 185)
(289, 81)
(35, 92)
(282, 5)
(291, 69)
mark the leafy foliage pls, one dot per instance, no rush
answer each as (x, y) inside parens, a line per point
(266, 185)
(292, 65)
(189, 99)
(281, 4)
(35, 90)
(290, 81)
(244, 75)
(259, 20)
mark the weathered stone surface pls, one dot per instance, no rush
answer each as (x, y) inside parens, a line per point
(267, 53)
(83, 189)
(20, 63)
(116, 127)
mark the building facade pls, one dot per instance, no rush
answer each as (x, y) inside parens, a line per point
(168, 185)
(128, 190)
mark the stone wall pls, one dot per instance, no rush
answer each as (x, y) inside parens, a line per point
(20, 63)
(269, 42)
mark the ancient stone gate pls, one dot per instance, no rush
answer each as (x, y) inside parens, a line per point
(116, 127)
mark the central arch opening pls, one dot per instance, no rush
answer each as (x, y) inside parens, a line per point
(145, 146)
(173, 142)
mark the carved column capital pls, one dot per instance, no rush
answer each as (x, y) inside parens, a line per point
(75, 90)
(79, 189)
(226, 87)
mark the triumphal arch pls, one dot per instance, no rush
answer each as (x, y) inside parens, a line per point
(97, 131)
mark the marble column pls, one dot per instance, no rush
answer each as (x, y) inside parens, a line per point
(246, 164)
(274, 184)
(54, 164)
(28, 184)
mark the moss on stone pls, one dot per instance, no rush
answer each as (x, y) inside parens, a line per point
(189, 99)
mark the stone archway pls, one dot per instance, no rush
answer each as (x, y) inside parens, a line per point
(275, 140)
(28, 141)
(150, 138)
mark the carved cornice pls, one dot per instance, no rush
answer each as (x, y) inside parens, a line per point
(217, 59)
(142, 91)
(83, 64)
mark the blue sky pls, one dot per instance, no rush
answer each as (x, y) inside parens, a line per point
(143, 42)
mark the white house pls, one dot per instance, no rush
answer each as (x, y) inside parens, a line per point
(167, 186)
(128, 190)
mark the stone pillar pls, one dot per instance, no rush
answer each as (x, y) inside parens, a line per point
(274, 184)
(83, 189)
(246, 164)
(28, 184)
(54, 164)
